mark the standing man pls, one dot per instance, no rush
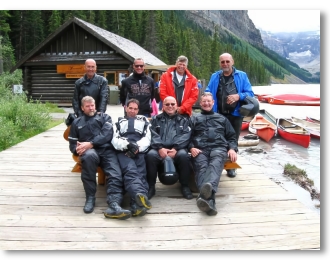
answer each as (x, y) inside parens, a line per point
(230, 87)
(140, 87)
(213, 140)
(132, 140)
(178, 82)
(92, 85)
(170, 133)
(90, 138)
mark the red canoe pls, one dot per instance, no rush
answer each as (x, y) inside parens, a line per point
(263, 97)
(293, 100)
(262, 127)
(293, 133)
(246, 122)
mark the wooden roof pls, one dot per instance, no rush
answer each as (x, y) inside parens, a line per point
(127, 48)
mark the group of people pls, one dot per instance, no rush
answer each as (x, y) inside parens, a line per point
(132, 152)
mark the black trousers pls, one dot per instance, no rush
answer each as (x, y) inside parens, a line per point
(208, 167)
(134, 174)
(181, 162)
(107, 160)
(236, 123)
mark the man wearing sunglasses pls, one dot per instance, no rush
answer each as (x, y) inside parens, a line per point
(170, 135)
(138, 86)
(229, 87)
(178, 82)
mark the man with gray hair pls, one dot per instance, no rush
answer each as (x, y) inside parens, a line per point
(213, 140)
(178, 82)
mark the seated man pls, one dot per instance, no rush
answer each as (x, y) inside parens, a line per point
(132, 139)
(213, 140)
(170, 137)
(90, 138)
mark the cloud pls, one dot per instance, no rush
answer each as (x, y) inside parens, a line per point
(286, 20)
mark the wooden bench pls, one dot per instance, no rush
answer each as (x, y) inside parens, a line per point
(101, 176)
(77, 166)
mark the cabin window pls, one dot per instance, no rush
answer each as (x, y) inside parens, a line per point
(111, 77)
(115, 77)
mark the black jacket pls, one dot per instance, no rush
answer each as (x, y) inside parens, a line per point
(143, 92)
(170, 131)
(97, 88)
(97, 129)
(211, 130)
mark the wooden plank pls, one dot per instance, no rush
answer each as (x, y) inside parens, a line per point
(280, 242)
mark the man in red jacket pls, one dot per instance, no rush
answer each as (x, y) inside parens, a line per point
(178, 82)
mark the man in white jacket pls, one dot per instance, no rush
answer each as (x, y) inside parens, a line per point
(132, 139)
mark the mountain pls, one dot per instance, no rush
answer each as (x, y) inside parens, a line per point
(235, 21)
(302, 48)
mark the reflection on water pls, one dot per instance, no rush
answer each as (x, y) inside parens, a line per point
(277, 153)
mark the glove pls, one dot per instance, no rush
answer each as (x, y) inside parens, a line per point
(130, 154)
(133, 148)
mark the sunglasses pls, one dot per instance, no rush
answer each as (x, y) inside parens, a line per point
(169, 104)
(138, 66)
(225, 61)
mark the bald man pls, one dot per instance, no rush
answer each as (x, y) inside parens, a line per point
(170, 135)
(92, 85)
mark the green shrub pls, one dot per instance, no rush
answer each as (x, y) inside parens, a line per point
(8, 135)
(20, 118)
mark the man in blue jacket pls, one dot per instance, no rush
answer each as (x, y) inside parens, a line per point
(229, 86)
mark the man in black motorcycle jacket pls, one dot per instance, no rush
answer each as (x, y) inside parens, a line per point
(170, 136)
(92, 85)
(138, 86)
(90, 138)
(213, 140)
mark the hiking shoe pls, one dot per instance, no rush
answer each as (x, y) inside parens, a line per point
(206, 191)
(142, 201)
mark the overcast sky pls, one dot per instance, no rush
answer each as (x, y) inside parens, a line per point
(286, 20)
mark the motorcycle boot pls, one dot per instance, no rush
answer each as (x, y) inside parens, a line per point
(114, 211)
(142, 201)
(136, 210)
(89, 204)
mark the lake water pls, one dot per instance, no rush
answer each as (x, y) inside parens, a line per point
(278, 151)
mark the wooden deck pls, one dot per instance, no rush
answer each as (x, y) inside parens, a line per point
(41, 203)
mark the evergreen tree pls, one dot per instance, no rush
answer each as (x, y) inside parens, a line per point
(161, 51)
(172, 40)
(55, 21)
(101, 19)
